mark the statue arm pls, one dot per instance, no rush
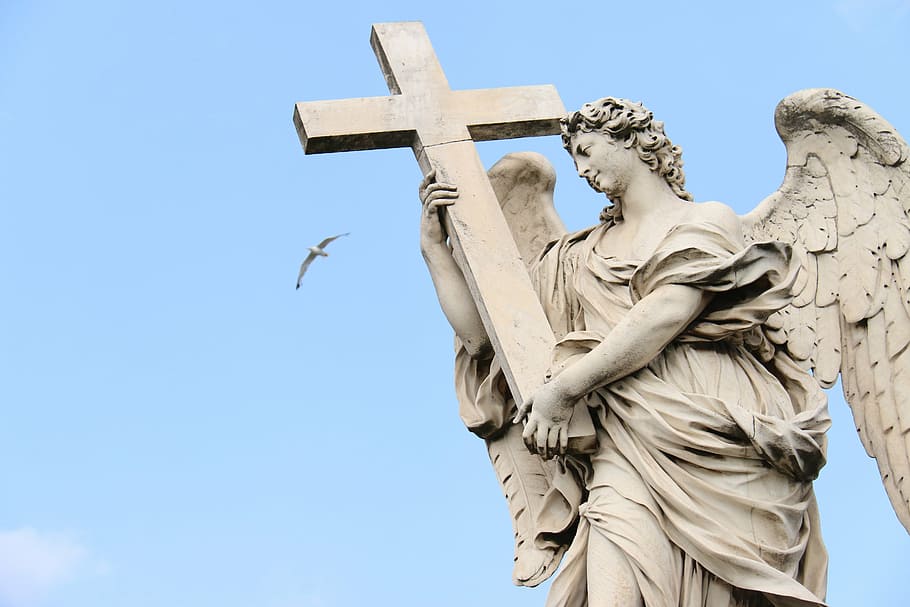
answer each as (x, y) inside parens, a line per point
(456, 302)
(651, 324)
(641, 335)
(451, 288)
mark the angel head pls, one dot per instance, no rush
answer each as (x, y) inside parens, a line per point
(632, 126)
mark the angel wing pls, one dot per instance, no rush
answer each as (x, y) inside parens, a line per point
(524, 183)
(843, 205)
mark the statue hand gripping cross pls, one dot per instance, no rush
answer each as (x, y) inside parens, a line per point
(441, 125)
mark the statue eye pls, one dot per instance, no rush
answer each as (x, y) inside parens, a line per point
(582, 151)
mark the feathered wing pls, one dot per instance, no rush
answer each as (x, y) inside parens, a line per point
(323, 244)
(843, 205)
(309, 258)
(524, 184)
(303, 266)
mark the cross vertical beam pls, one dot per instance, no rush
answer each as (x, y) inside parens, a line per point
(440, 125)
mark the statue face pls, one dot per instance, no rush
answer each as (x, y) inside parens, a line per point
(605, 163)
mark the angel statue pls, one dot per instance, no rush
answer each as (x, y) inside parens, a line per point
(700, 342)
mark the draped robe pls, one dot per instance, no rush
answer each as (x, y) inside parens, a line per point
(702, 475)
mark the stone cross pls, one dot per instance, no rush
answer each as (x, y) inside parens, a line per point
(441, 126)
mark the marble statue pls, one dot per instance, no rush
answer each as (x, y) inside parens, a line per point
(699, 341)
(650, 389)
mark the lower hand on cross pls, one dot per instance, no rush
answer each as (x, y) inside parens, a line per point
(548, 412)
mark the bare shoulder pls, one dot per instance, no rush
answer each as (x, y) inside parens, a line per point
(717, 213)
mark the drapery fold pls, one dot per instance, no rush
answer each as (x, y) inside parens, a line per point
(710, 448)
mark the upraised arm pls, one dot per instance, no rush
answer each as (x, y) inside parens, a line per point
(451, 289)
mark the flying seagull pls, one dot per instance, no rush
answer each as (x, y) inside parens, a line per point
(317, 251)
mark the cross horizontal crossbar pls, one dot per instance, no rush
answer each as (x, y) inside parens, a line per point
(393, 121)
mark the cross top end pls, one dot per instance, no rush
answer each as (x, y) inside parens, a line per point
(422, 110)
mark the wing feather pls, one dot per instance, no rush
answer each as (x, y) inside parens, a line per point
(326, 241)
(806, 286)
(891, 454)
(828, 279)
(828, 352)
(859, 261)
(844, 206)
(801, 338)
(852, 388)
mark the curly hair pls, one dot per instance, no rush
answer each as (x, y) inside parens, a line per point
(633, 124)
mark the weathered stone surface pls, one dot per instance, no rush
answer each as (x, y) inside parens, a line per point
(688, 330)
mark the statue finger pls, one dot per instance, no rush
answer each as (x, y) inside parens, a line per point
(553, 441)
(522, 412)
(441, 187)
(424, 184)
(563, 439)
(430, 192)
(444, 192)
(542, 431)
(436, 201)
(428, 179)
(528, 434)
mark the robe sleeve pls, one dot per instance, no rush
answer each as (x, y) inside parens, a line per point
(750, 282)
(485, 403)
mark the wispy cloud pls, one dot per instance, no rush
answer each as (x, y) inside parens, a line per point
(33, 563)
(865, 14)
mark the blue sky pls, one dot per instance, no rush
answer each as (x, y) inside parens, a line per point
(181, 427)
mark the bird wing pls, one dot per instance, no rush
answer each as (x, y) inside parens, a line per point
(306, 263)
(843, 206)
(330, 239)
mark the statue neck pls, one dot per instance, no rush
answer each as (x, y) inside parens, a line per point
(647, 195)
